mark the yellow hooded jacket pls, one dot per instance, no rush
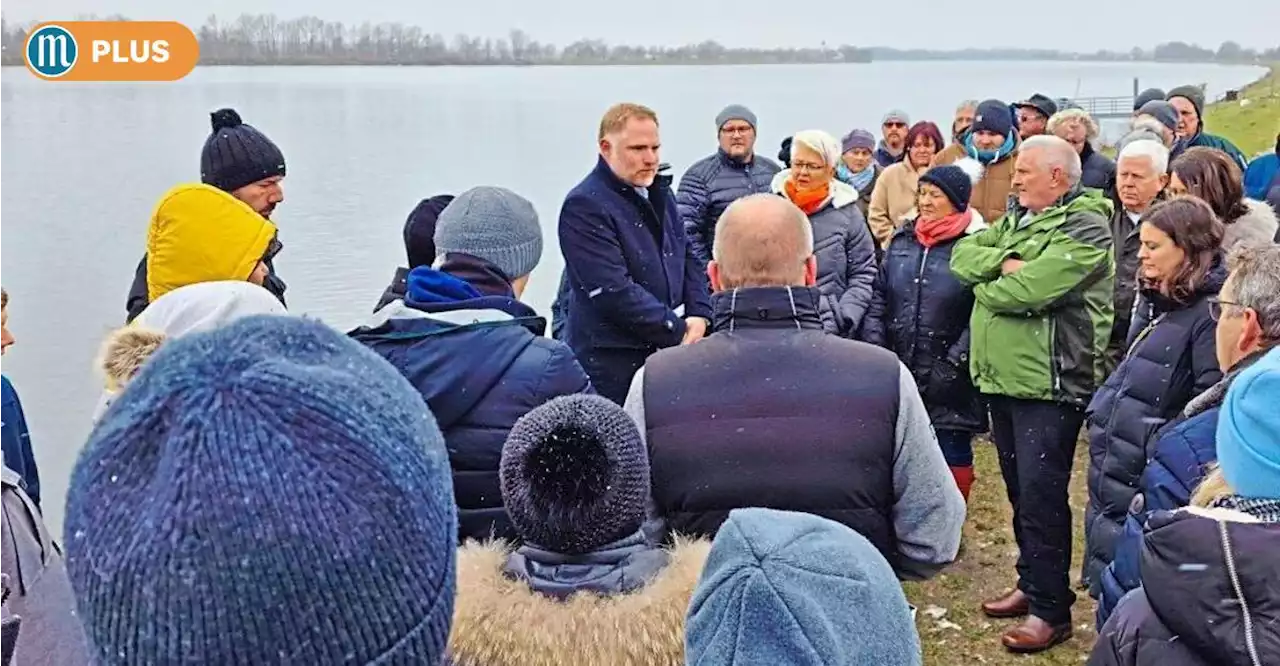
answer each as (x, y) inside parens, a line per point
(199, 234)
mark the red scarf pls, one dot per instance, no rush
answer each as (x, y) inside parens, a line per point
(941, 230)
(809, 201)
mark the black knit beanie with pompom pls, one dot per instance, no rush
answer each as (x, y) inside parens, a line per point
(575, 475)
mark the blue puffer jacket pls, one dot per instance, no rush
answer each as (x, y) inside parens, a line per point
(1180, 457)
(709, 186)
(920, 312)
(1168, 364)
(480, 363)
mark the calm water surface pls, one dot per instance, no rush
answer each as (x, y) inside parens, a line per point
(83, 164)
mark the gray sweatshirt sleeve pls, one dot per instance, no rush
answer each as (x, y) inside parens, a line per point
(928, 510)
(655, 527)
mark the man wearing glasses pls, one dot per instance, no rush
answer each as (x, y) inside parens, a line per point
(894, 144)
(716, 181)
(1034, 114)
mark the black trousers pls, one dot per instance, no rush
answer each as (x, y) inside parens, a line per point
(1036, 443)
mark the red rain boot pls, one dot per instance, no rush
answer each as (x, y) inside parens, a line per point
(964, 480)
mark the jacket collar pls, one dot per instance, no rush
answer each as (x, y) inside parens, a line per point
(842, 193)
(446, 300)
(487, 279)
(617, 568)
(778, 308)
(1214, 395)
(604, 173)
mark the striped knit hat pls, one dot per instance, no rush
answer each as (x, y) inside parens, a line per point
(236, 154)
(267, 492)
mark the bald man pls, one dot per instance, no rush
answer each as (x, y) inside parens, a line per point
(769, 411)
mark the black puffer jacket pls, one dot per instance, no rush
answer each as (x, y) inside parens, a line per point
(1173, 360)
(1097, 170)
(709, 186)
(920, 312)
(1210, 595)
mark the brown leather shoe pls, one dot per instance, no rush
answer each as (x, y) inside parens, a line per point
(1012, 604)
(1035, 635)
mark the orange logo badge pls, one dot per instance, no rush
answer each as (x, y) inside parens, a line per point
(111, 51)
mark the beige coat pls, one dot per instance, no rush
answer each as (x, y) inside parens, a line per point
(498, 621)
(991, 195)
(893, 200)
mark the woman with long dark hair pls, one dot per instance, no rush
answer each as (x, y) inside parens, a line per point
(1211, 175)
(1170, 360)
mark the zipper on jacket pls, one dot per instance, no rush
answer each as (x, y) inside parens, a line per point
(1250, 643)
(919, 278)
(1055, 372)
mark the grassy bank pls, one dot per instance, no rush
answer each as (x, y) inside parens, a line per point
(952, 626)
(1253, 122)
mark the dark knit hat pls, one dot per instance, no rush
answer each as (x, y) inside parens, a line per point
(575, 475)
(264, 489)
(236, 154)
(953, 181)
(1041, 103)
(420, 230)
(494, 224)
(1162, 111)
(1147, 95)
(993, 115)
(1192, 94)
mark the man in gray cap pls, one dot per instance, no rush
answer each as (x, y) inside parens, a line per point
(1148, 95)
(477, 354)
(716, 181)
(893, 127)
(1189, 102)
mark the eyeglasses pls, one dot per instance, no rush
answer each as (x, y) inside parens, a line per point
(730, 131)
(893, 124)
(807, 167)
(1216, 307)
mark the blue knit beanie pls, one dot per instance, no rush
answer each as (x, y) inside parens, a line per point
(236, 154)
(993, 115)
(1249, 430)
(793, 588)
(575, 475)
(267, 492)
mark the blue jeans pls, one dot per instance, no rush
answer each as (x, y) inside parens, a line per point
(957, 447)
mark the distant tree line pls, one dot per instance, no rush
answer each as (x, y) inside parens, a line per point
(265, 39)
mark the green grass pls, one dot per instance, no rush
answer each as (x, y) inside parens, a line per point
(1252, 123)
(985, 569)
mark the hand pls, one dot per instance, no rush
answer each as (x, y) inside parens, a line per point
(695, 330)
(1011, 265)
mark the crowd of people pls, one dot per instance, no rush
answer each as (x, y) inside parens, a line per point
(755, 414)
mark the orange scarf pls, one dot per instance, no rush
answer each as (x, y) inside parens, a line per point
(941, 230)
(809, 201)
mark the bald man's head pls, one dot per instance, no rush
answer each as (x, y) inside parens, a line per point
(762, 240)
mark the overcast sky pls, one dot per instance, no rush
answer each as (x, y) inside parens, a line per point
(1080, 25)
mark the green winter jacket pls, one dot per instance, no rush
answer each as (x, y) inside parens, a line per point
(1041, 333)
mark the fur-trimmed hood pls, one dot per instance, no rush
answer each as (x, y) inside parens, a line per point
(1258, 226)
(124, 352)
(498, 621)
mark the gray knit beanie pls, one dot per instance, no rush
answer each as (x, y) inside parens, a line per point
(1146, 96)
(493, 224)
(575, 475)
(735, 112)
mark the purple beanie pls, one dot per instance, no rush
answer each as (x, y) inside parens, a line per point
(858, 138)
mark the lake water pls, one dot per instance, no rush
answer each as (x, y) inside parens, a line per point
(83, 164)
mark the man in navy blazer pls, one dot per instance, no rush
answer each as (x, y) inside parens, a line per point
(634, 286)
